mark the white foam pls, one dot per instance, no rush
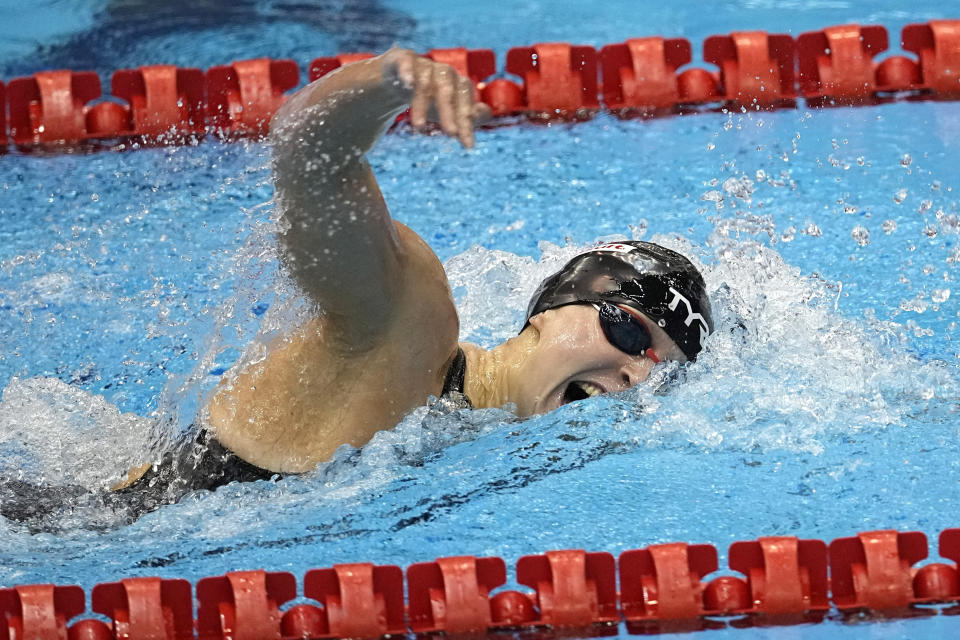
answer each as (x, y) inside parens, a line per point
(51, 432)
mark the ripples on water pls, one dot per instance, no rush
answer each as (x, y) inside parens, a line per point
(811, 413)
(826, 402)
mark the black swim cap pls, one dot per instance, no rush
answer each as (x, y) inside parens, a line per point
(647, 277)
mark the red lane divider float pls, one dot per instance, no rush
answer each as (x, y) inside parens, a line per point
(558, 79)
(938, 45)
(756, 69)
(142, 608)
(163, 101)
(664, 587)
(243, 96)
(642, 76)
(453, 595)
(51, 106)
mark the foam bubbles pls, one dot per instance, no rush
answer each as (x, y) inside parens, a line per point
(54, 433)
(783, 369)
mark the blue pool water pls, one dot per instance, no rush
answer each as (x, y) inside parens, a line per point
(827, 403)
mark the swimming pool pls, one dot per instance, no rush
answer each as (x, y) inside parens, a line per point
(138, 277)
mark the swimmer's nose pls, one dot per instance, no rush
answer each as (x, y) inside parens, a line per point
(635, 372)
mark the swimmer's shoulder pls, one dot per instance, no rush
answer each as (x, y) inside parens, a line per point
(313, 391)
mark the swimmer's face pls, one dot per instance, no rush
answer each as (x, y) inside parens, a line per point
(574, 360)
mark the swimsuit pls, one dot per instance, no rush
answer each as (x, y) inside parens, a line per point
(202, 463)
(453, 383)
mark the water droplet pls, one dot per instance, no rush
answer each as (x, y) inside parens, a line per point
(861, 235)
(900, 196)
(925, 206)
(906, 160)
(741, 187)
(889, 226)
(940, 295)
(813, 230)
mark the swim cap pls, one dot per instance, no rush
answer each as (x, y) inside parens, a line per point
(647, 277)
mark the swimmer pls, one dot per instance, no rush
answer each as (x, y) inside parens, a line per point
(384, 337)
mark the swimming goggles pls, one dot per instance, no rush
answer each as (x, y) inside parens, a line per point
(625, 330)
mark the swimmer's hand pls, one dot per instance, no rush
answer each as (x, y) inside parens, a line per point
(437, 93)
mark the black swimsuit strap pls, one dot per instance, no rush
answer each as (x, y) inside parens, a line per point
(455, 375)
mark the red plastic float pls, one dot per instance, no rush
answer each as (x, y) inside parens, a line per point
(50, 106)
(243, 605)
(756, 68)
(164, 100)
(146, 607)
(559, 79)
(872, 570)
(573, 587)
(837, 63)
(3, 114)
(476, 64)
(453, 594)
(938, 45)
(641, 73)
(360, 600)
(39, 611)
(784, 575)
(243, 96)
(663, 582)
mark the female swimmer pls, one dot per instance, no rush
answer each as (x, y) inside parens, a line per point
(383, 337)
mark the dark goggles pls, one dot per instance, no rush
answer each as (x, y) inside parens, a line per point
(625, 330)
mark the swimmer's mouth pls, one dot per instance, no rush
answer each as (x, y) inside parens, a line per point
(580, 390)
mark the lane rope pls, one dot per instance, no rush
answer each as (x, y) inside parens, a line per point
(753, 70)
(660, 588)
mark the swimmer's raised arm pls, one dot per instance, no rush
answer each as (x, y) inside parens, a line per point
(339, 241)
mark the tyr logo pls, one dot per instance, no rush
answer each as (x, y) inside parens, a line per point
(691, 315)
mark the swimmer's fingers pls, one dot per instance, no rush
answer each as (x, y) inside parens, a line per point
(423, 91)
(445, 81)
(443, 96)
(466, 111)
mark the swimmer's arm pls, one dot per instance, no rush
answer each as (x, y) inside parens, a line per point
(338, 239)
